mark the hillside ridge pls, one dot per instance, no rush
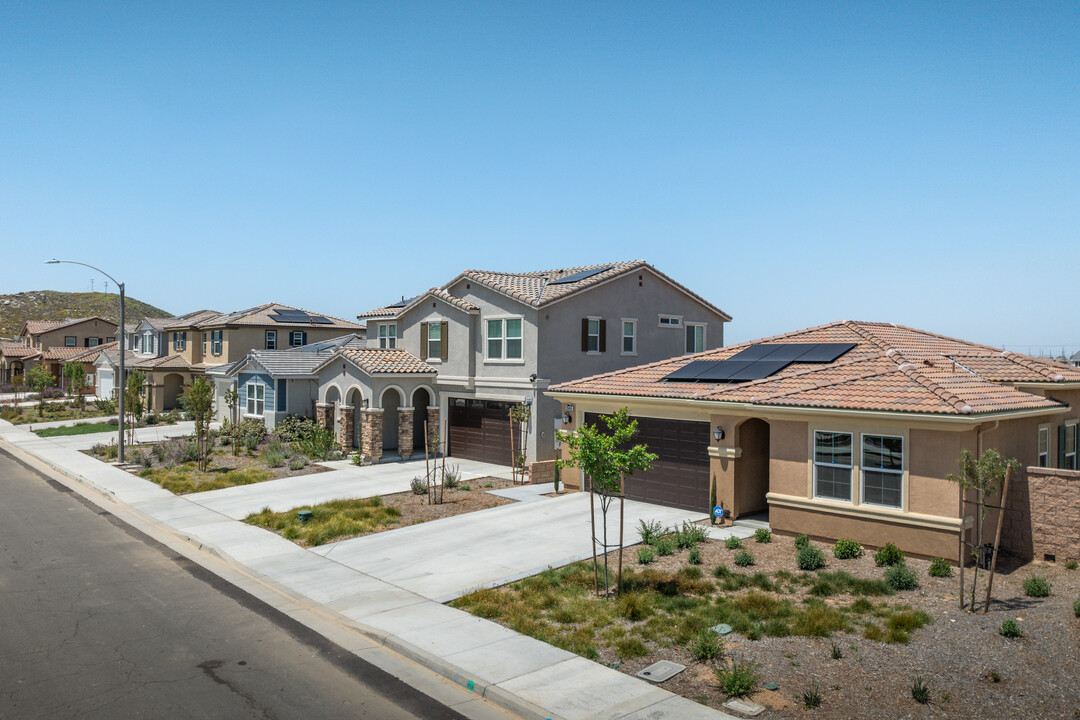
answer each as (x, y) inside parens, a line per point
(17, 308)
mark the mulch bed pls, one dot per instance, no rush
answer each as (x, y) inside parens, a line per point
(955, 655)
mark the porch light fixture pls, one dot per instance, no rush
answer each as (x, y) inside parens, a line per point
(364, 404)
(718, 433)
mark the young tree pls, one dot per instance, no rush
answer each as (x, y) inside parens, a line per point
(133, 403)
(985, 476)
(38, 379)
(75, 372)
(607, 459)
(198, 401)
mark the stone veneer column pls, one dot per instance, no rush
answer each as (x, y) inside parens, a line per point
(324, 415)
(405, 432)
(433, 430)
(371, 433)
(345, 427)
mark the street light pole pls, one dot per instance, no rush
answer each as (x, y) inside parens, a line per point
(120, 346)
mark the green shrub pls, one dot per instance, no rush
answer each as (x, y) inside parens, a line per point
(737, 679)
(920, 691)
(273, 459)
(940, 567)
(847, 549)
(645, 555)
(690, 535)
(888, 554)
(1076, 608)
(1071, 565)
(1010, 629)
(664, 545)
(418, 486)
(744, 559)
(451, 480)
(298, 462)
(1037, 586)
(706, 645)
(650, 530)
(694, 557)
(763, 535)
(733, 543)
(901, 577)
(810, 558)
(295, 428)
(802, 541)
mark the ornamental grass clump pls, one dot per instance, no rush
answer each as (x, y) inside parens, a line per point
(847, 549)
(694, 556)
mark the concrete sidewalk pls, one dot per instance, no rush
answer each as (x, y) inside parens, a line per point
(517, 673)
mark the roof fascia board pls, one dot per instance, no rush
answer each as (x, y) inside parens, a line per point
(767, 411)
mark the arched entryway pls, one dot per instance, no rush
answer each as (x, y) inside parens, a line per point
(330, 407)
(172, 385)
(354, 400)
(421, 399)
(390, 402)
(752, 468)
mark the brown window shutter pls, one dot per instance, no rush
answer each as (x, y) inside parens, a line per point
(603, 336)
(444, 344)
(423, 341)
(584, 334)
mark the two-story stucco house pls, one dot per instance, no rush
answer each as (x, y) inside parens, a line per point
(51, 343)
(496, 339)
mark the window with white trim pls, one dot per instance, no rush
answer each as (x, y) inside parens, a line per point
(434, 340)
(297, 338)
(256, 403)
(388, 335)
(883, 470)
(70, 341)
(271, 340)
(629, 337)
(670, 321)
(148, 342)
(592, 335)
(216, 342)
(832, 465)
(695, 337)
(179, 340)
(504, 341)
(1044, 446)
(1069, 451)
(93, 342)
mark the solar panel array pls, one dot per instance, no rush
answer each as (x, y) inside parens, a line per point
(298, 316)
(578, 276)
(758, 362)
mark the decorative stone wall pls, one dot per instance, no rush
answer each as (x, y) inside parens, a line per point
(324, 415)
(541, 472)
(1042, 515)
(435, 443)
(405, 432)
(371, 434)
(346, 418)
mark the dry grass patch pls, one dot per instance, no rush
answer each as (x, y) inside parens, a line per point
(329, 521)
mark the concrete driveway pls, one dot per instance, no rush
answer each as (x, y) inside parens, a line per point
(347, 482)
(445, 559)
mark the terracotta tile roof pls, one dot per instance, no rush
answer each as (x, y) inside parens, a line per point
(392, 361)
(61, 352)
(165, 362)
(891, 368)
(259, 316)
(91, 354)
(17, 350)
(399, 309)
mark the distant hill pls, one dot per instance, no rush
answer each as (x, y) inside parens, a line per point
(16, 309)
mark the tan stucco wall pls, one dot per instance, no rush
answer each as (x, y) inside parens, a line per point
(81, 331)
(872, 533)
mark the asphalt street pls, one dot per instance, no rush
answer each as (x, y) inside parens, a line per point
(98, 620)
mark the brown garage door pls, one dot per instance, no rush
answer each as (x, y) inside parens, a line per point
(480, 430)
(679, 477)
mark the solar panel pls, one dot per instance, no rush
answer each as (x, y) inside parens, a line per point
(826, 352)
(691, 370)
(740, 370)
(403, 302)
(578, 276)
(754, 352)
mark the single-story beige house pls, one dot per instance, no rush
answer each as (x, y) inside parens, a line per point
(843, 430)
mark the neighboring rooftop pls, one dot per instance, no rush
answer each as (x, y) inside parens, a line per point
(386, 361)
(266, 315)
(293, 362)
(888, 368)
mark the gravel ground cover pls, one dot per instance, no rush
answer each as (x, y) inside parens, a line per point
(969, 668)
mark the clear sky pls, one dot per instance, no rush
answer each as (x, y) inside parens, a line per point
(794, 163)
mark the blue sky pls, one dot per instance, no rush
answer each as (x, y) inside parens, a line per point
(795, 163)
